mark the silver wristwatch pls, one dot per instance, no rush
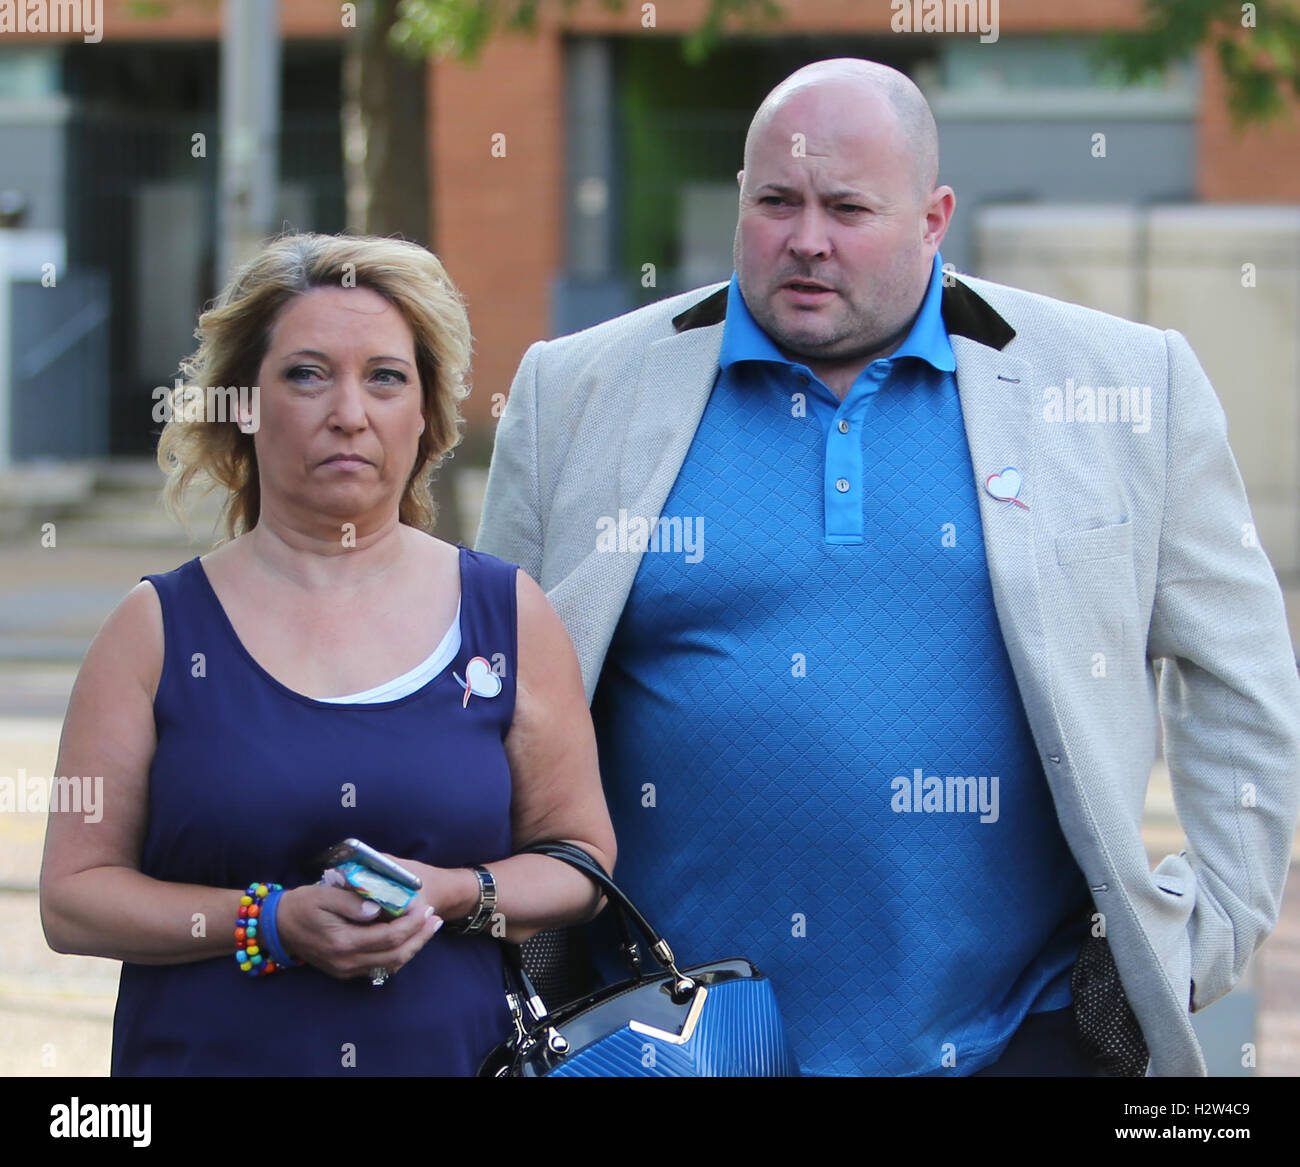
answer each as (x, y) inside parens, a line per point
(487, 903)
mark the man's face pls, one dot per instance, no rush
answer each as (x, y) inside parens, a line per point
(834, 243)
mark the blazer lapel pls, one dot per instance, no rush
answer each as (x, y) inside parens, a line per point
(676, 379)
(997, 394)
(674, 387)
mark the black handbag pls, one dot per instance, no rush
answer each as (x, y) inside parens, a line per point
(709, 1020)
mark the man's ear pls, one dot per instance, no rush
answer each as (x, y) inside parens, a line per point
(938, 213)
(740, 179)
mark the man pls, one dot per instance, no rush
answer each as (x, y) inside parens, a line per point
(882, 719)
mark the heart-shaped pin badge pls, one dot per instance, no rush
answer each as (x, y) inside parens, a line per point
(1005, 486)
(480, 680)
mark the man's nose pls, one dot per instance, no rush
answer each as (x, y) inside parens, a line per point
(810, 235)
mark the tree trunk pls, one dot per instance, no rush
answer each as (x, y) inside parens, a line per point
(386, 162)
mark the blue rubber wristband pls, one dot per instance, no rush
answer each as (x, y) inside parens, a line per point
(270, 936)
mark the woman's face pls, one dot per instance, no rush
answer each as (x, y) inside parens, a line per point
(340, 406)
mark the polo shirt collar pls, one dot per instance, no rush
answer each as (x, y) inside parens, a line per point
(744, 340)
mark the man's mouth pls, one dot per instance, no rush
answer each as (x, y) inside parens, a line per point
(807, 292)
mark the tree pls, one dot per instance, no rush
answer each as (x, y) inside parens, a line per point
(386, 105)
(460, 28)
(1258, 46)
(386, 173)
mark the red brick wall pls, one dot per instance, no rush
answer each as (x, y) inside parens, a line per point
(1259, 165)
(499, 221)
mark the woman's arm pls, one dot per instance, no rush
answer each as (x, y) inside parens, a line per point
(557, 794)
(94, 899)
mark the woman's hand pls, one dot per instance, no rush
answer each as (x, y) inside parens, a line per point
(346, 935)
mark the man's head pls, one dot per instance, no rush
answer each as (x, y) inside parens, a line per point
(838, 190)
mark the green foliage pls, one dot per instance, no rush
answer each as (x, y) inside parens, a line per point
(705, 39)
(460, 28)
(1258, 46)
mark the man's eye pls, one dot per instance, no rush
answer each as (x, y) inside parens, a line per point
(850, 207)
(772, 199)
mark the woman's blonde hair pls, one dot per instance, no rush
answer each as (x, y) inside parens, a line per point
(234, 335)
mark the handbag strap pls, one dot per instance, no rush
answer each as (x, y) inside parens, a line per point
(537, 1028)
(580, 860)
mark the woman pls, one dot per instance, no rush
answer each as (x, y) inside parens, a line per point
(314, 678)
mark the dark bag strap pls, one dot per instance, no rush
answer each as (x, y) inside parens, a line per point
(579, 859)
(517, 979)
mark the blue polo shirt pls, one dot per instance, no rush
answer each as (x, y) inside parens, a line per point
(812, 743)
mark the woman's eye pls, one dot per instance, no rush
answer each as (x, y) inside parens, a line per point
(300, 373)
(390, 376)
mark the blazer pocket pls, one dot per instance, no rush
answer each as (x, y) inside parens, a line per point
(1095, 576)
(1114, 541)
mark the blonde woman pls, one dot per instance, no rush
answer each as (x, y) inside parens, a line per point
(331, 670)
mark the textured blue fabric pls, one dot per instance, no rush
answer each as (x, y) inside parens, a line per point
(739, 1034)
(251, 780)
(766, 368)
(757, 707)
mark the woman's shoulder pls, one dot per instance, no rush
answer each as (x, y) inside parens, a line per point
(491, 562)
(178, 574)
(130, 643)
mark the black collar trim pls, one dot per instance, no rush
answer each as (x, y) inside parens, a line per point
(964, 314)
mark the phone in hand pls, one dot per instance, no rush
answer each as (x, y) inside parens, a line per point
(372, 875)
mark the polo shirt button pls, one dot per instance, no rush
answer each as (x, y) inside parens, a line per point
(843, 426)
(842, 485)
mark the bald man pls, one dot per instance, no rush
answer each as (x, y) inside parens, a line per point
(870, 616)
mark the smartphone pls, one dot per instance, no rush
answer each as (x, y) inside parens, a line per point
(356, 851)
(372, 875)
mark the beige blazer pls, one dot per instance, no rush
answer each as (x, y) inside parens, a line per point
(1136, 551)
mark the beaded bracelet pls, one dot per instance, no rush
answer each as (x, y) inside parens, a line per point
(254, 925)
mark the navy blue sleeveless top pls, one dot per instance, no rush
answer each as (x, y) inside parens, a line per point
(252, 780)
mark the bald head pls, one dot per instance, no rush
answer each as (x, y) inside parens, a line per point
(873, 89)
(839, 219)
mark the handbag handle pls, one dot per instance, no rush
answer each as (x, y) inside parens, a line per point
(521, 994)
(580, 860)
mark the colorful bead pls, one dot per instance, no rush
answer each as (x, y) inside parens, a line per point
(248, 952)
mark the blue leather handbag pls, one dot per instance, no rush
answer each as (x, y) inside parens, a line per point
(710, 1020)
